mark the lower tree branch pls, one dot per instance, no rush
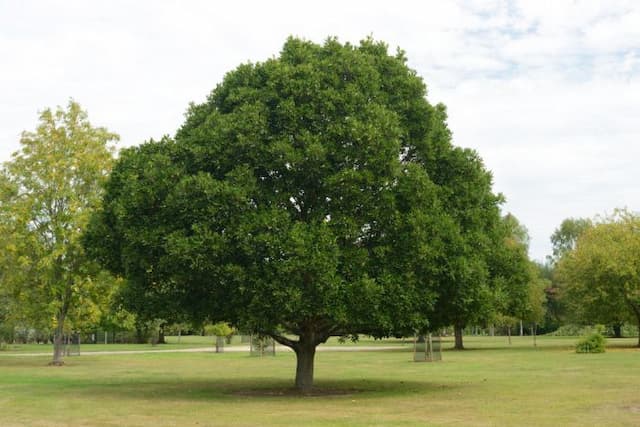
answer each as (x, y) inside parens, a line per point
(284, 341)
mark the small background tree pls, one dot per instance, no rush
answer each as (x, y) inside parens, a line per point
(602, 273)
(220, 330)
(50, 188)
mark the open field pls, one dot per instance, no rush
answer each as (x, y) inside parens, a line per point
(490, 384)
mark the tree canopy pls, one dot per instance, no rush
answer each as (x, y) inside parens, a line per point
(49, 189)
(602, 273)
(564, 238)
(315, 194)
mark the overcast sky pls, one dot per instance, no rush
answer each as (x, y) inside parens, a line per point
(548, 92)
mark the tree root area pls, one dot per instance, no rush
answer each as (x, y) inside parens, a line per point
(292, 392)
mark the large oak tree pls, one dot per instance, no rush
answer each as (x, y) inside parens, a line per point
(308, 197)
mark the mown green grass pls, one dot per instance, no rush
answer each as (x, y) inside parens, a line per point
(492, 383)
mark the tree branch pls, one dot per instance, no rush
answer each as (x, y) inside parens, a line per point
(284, 341)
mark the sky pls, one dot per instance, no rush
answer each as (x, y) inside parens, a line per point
(548, 92)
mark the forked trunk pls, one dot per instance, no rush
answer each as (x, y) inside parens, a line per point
(457, 331)
(305, 349)
(305, 357)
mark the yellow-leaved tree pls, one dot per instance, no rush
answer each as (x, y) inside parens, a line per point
(50, 187)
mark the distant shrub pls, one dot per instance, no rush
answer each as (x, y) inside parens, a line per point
(575, 330)
(593, 343)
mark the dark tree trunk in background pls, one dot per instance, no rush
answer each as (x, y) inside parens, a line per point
(617, 330)
(636, 311)
(457, 331)
(161, 339)
(139, 335)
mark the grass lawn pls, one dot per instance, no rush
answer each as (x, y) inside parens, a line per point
(492, 383)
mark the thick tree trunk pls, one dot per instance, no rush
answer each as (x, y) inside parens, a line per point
(305, 349)
(457, 331)
(305, 355)
(58, 342)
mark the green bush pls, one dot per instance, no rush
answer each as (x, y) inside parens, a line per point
(594, 343)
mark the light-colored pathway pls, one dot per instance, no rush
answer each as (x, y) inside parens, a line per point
(230, 349)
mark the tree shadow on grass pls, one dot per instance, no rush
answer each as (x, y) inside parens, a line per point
(260, 388)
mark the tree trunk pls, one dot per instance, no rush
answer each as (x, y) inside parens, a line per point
(139, 335)
(58, 342)
(457, 330)
(521, 329)
(534, 333)
(161, 339)
(509, 333)
(305, 349)
(305, 357)
(617, 330)
(636, 310)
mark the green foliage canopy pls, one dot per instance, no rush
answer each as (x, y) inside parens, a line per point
(602, 273)
(316, 193)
